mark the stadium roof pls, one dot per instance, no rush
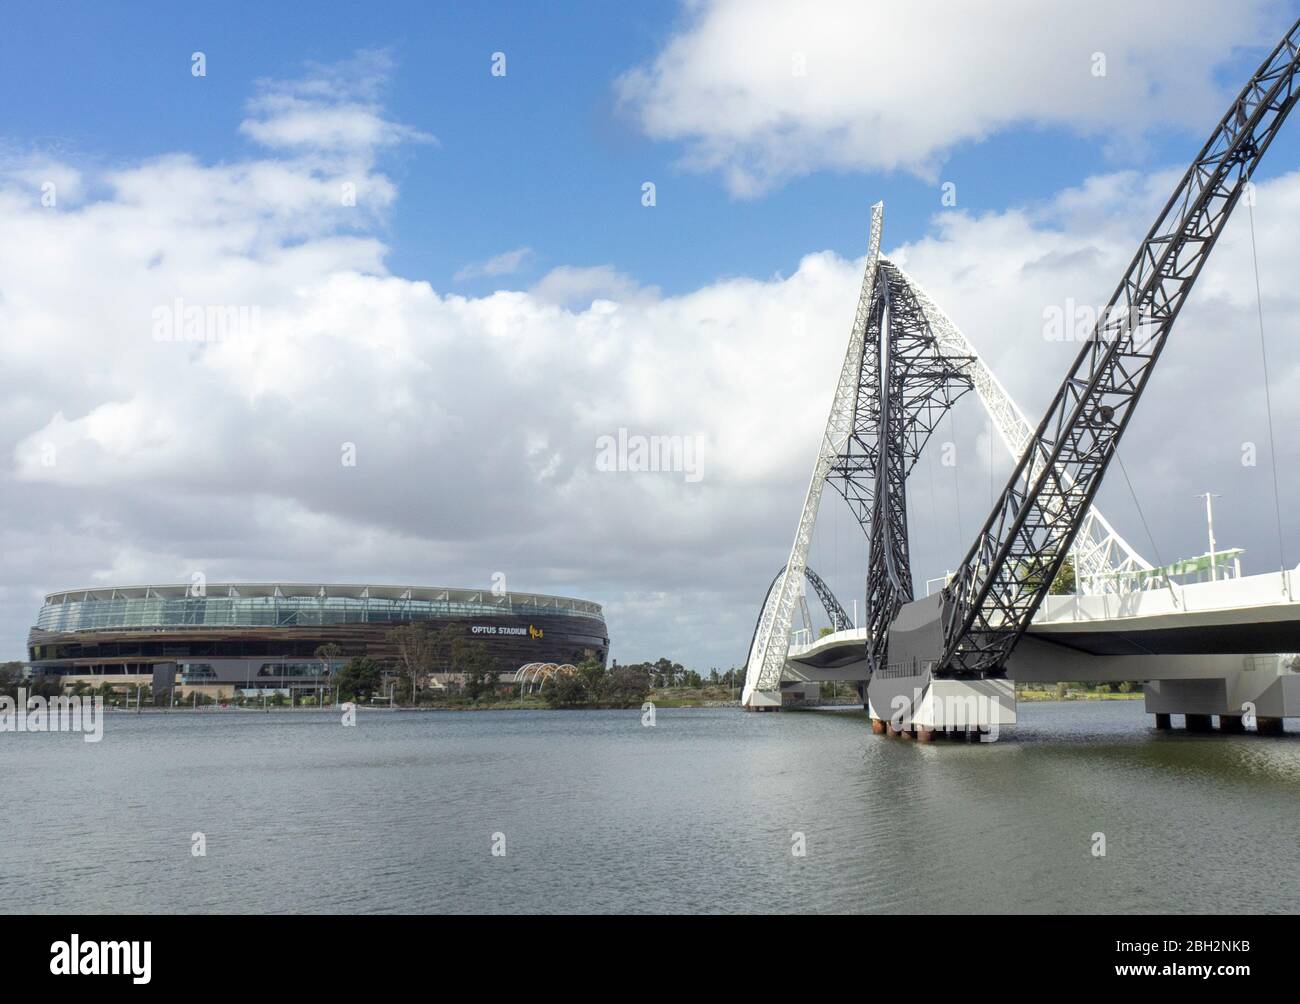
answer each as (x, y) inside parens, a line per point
(321, 590)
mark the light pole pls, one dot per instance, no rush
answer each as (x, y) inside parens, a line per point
(1209, 525)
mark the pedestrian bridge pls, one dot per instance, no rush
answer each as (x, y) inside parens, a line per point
(1222, 647)
(1206, 647)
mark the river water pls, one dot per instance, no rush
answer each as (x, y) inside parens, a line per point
(596, 812)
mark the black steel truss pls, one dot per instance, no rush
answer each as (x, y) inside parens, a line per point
(1011, 565)
(834, 609)
(919, 384)
(839, 618)
(853, 474)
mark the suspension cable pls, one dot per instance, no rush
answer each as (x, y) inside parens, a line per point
(835, 556)
(961, 534)
(1145, 526)
(1268, 401)
(992, 498)
(934, 505)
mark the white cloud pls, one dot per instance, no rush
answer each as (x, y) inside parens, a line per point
(334, 108)
(574, 286)
(51, 180)
(765, 90)
(506, 263)
(475, 419)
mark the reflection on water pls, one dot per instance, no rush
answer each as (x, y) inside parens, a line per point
(602, 814)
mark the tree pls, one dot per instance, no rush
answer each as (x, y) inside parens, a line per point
(1064, 583)
(593, 679)
(327, 653)
(472, 658)
(627, 686)
(359, 678)
(415, 652)
(565, 690)
(11, 678)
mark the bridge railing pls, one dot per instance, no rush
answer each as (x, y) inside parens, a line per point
(1271, 588)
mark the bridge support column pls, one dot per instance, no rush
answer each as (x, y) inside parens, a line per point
(1269, 726)
(1199, 723)
(1164, 722)
(1231, 723)
(762, 700)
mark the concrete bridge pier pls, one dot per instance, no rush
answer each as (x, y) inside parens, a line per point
(1233, 687)
(762, 700)
(1164, 721)
(928, 733)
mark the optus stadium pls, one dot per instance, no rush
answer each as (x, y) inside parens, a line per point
(264, 636)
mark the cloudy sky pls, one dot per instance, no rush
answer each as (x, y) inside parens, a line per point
(440, 286)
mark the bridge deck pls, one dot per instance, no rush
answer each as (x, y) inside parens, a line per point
(1252, 615)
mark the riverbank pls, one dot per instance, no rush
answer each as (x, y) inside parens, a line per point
(674, 697)
(668, 697)
(1075, 695)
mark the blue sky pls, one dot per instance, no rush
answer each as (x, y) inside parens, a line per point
(475, 394)
(542, 158)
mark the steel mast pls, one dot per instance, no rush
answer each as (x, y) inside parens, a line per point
(1011, 565)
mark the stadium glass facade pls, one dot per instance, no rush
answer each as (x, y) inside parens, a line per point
(252, 636)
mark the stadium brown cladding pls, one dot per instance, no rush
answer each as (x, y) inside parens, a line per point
(237, 626)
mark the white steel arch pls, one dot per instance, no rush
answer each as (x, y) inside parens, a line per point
(772, 641)
(1103, 560)
(534, 674)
